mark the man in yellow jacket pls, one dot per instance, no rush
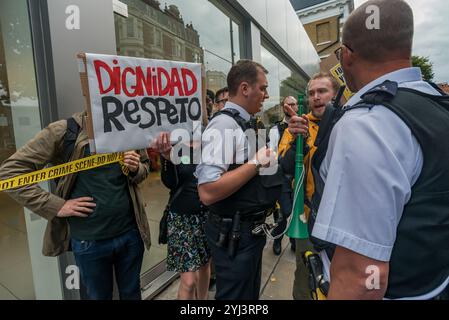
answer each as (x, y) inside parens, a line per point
(321, 89)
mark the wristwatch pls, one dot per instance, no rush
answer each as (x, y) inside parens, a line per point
(257, 163)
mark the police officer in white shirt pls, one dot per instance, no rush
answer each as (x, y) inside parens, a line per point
(230, 185)
(385, 204)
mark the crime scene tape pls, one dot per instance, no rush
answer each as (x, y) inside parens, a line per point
(58, 171)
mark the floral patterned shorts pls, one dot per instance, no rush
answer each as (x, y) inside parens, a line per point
(187, 248)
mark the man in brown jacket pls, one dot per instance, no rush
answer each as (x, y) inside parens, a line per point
(99, 213)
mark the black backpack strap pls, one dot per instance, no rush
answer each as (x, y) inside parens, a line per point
(437, 88)
(421, 103)
(234, 114)
(441, 100)
(70, 137)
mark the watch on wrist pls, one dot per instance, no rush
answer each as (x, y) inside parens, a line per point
(257, 164)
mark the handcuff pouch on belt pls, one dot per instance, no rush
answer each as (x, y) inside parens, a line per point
(229, 234)
(229, 231)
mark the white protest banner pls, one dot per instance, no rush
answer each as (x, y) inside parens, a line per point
(133, 99)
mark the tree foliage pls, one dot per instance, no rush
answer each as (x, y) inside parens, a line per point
(426, 67)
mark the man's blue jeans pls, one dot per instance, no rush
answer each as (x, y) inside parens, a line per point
(97, 259)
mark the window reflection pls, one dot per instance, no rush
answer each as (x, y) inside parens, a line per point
(271, 63)
(19, 122)
(180, 30)
(282, 82)
(7, 145)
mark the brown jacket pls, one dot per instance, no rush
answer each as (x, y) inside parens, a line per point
(47, 147)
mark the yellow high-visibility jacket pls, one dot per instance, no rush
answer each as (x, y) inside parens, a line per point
(284, 146)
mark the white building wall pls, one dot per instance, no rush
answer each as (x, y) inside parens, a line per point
(326, 10)
(279, 19)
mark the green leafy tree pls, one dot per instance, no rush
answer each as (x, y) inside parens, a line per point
(426, 67)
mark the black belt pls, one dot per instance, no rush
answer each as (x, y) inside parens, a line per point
(254, 216)
(258, 216)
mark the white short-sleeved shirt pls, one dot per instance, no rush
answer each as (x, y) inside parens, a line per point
(371, 164)
(275, 137)
(219, 149)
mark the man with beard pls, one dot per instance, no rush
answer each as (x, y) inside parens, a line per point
(321, 89)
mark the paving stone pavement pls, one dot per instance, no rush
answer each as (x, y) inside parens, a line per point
(277, 275)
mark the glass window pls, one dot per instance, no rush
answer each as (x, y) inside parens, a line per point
(271, 63)
(19, 122)
(148, 33)
(158, 38)
(235, 44)
(323, 32)
(130, 28)
(184, 30)
(282, 82)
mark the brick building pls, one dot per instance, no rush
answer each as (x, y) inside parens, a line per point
(323, 21)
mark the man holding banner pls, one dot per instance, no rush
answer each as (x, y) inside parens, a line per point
(99, 212)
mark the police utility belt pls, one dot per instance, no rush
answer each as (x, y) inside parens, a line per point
(230, 228)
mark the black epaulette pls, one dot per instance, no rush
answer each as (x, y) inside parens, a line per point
(380, 94)
(385, 91)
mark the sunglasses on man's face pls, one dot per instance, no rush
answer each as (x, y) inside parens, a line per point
(339, 49)
(222, 101)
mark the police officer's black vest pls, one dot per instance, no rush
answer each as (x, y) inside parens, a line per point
(420, 259)
(258, 194)
(280, 126)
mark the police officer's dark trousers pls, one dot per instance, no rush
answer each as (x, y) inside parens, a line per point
(238, 278)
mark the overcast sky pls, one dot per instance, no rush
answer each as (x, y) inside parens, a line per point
(431, 33)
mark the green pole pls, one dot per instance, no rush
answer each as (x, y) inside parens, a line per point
(298, 226)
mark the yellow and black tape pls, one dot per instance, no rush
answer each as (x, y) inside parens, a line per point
(61, 170)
